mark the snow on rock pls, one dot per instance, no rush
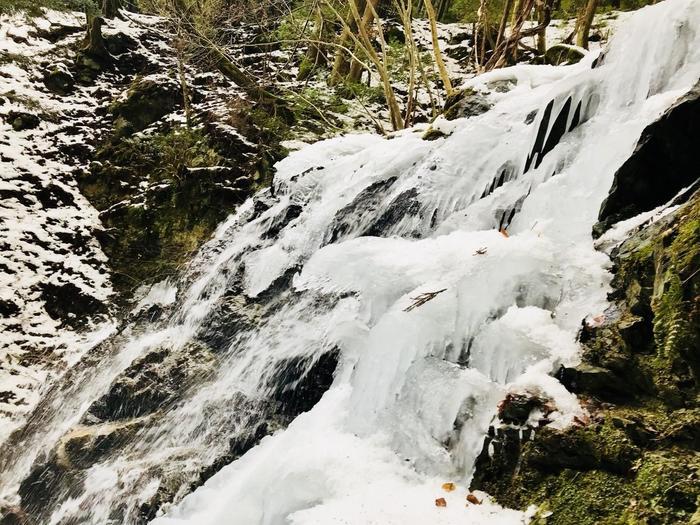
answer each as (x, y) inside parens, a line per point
(53, 275)
(54, 278)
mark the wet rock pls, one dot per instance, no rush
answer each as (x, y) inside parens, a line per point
(86, 445)
(21, 120)
(560, 54)
(433, 134)
(516, 408)
(299, 383)
(663, 163)
(593, 380)
(12, 515)
(153, 382)
(465, 103)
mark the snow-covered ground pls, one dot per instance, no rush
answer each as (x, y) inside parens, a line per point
(49, 253)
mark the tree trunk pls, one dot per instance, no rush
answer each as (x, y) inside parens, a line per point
(442, 69)
(110, 8)
(94, 42)
(441, 9)
(586, 22)
(341, 64)
(356, 68)
(542, 34)
(504, 21)
(316, 54)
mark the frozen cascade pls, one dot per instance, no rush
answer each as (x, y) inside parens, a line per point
(323, 268)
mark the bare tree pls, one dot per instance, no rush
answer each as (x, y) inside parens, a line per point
(586, 22)
(439, 62)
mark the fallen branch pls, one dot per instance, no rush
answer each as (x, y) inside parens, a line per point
(423, 298)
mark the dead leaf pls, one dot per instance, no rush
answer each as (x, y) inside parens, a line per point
(480, 251)
(582, 421)
(448, 487)
(440, 502)
(471, 498)
(504, 232)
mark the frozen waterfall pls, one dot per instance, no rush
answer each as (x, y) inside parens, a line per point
(325, 271)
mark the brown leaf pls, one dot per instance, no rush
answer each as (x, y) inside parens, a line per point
(440, 502)
(471, 498)
(504, 232)
(448, 487)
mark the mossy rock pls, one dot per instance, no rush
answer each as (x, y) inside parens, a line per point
(146, 102)
(465, 103)
(560, 54)
(21, 120)
(638, 461)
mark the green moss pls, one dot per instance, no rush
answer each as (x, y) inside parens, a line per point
(34, 7)
(159, 211)
(637, 462)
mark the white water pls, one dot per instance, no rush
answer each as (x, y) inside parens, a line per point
(415, 391)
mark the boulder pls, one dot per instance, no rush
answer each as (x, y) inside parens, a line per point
(58, 80)
(561, 54)
(593, 380)
(465, 103)
(146, 102)
(21, 120)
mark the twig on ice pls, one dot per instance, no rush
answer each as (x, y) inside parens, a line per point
(423, 298)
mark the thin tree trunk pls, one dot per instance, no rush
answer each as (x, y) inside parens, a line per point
(504, 21)
(542, 34)
(586, 22)
(316, 53)
(356, 68)
(341, 64)
(180, 48)
(442, 69)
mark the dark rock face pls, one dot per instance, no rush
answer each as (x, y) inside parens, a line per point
(663, 163)
(635, 461)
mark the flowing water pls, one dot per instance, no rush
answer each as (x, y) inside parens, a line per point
(315, 283)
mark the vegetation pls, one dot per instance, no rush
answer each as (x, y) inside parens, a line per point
(33, 7)
(636, 461)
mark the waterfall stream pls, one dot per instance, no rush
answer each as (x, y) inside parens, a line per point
(315, 284)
